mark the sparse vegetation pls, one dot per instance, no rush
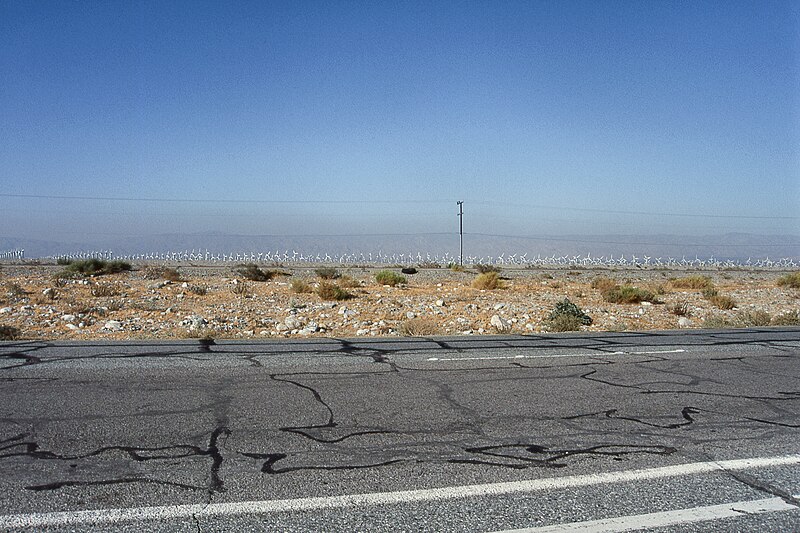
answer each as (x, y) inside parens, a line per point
(199, 290)
(171, 274)
(63, 261)
(331, 291)
(455, 267)
(251, 272)
(348, 282)
(419, 327)
(791, 280)
(692, 282)
(567, 316)
(716, 322)
(627, 294)
(488, 281)
(102, 291)
(300, 286)
(9, 333)
(327, 273)
(387, 277)
(240, 289)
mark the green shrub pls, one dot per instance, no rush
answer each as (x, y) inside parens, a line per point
(331, 291)
(692, 282)
(628, 295)
(63, 261)
(791, 280)
(488, 281)
(97, 267)
(9, 333)
(251, 272)
(387, 277)
(327, 273)
(566, 316)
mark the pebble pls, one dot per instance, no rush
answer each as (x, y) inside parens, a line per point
(113, 325)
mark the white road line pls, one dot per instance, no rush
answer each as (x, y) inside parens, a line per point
(110, 516)
(667, 518)
(555, 356)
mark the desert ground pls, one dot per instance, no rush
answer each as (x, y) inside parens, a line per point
(151, 301)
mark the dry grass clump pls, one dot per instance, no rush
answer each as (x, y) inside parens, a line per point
(240, 289)
(750, 319)
(692, 282)
(387, 277)
(299, 286)
(171, 274)
(791, 280)
(627, 294)
(792, 318)
(9, 333)
(199, 290)
(722, 302)
(455, 267)
(488, 281)
(603, 283)
(331, 291)
(420, 327)
(348, 282)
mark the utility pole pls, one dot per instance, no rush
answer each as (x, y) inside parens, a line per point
(460, 232)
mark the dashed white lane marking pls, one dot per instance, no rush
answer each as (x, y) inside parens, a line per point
(668, 518)
(172, 512)
(493, 357)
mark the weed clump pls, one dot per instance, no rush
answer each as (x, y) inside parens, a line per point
(692, 282)
(488, 281)
(387, 277)
(752, 319)
(603, 283)
(722, 302)
(792, 318)
(251, 272)
(331, 291)
(791, 280)
(567, 316)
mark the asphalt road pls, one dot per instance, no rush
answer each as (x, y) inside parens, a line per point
(669, 431)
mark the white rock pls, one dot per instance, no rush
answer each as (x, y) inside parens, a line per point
(500, 324)
(440, 303)
(68, 318)
(497, 307)
(72, 327)
(410, 315)
(6, 310)
(113, 325)
(684, 322)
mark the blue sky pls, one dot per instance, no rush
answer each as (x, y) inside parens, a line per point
(350, 117)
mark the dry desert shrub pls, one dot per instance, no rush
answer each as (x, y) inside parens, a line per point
(750, 319)
(680, 309)
(792, 318)
(104, 291)
(240, 289)
(791, 280)
(326, 273)
(199, 290)
(627, 294)
(330, 291)
(692, 282)
(387, 277)
(722, 301)
(603, 283)
(488, 281)
(251, 272)
(419, 327)
(348, 282)
(300, 286)
(483, 269)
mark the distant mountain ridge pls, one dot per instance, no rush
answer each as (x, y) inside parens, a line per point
(733, 246)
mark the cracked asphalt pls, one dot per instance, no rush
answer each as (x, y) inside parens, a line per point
(150, 424)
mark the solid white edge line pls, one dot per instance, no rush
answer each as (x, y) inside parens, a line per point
(99, 516)
(554, 356)
(667, 518)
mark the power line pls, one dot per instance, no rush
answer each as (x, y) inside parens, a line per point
(215, 201)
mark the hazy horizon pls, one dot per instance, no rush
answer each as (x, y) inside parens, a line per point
(550, 118)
